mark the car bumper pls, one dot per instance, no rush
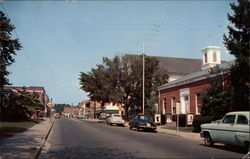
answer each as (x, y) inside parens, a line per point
(118, 123)
(147, 127)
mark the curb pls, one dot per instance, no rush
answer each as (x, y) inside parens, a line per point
(180, 134)
(43, 142)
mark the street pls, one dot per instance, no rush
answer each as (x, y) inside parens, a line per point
(73, 138)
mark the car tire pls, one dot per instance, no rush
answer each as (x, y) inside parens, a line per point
(208, 141)
(247, 146)
(137, 129)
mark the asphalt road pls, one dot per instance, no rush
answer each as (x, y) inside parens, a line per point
(72, 138)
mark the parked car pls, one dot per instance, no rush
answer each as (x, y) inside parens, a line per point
(115, 119)
(80, 117)
(103, 116)
(142, 121)
(57, 116)
(233, 129)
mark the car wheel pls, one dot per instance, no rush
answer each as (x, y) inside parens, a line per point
(137, 129)
(130, 127)
(208, 141)
(247, 146)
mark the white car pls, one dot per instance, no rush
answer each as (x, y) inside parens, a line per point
(115, 119)
(233, 129)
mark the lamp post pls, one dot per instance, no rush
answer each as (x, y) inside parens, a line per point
(143, 78)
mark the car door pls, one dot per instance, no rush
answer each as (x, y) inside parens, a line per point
(242, 130)
(133, 123)
(225, 131)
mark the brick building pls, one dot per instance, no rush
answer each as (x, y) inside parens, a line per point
(70, 111)
(186, 91)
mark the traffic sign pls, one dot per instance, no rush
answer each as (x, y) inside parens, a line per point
(50, 104)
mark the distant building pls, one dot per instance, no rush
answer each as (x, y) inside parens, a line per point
(71, 111)
(93, 108)
(188, 89)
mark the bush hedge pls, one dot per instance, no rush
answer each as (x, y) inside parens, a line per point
(198, 120)
(182, 119)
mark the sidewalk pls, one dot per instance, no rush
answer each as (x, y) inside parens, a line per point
(187, 135)
(160, 129)
(26, 144)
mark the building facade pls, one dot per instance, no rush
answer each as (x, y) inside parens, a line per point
(70, 111)
(184, 95)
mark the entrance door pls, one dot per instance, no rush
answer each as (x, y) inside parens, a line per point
(184, 98)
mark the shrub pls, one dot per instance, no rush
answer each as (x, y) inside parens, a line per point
(182, 119)
(198, 120)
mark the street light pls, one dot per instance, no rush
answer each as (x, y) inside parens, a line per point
(143, 78)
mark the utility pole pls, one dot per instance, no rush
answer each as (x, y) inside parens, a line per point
(143, 79)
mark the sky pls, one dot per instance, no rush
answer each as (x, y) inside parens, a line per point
(60, 39)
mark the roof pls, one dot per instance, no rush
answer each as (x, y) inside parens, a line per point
(193, 77)
(31, 88)
(176, 66)
(180, 66)
(247, 113)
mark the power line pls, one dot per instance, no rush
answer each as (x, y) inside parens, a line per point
(29, 61)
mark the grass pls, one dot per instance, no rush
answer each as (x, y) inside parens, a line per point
(185, 129)
(8, 128)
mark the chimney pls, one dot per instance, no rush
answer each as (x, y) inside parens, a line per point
(211, 57)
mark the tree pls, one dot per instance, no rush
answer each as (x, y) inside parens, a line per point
(217, 99)
(8, 48)
(60, 107)
(238, 44)
(119, 80)
(20, 106)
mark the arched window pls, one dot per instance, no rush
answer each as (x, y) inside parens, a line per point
(215, 57)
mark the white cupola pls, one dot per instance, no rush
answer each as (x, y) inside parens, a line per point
(211, 57)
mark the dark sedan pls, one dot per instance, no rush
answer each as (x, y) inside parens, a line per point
(142, 122)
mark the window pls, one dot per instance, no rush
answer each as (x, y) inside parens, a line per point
(165, 103)
(199, 101)
(214, 57)
(229, 119)
(173, 105)
(205, 57)
(242, 120)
